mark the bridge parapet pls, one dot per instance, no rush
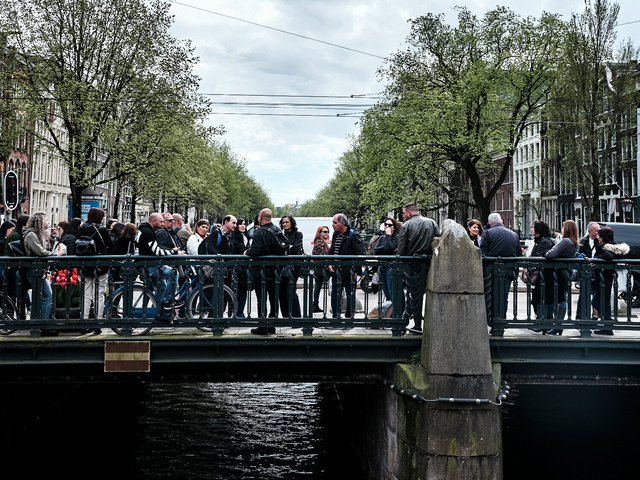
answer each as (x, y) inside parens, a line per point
(449, 426)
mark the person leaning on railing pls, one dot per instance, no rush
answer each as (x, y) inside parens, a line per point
(387, 245)
(163, 277)
(239, 244)
(35, 239)
(606, 249)
(565, 248)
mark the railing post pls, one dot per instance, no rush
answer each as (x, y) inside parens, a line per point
(36, 271)
(397, 297)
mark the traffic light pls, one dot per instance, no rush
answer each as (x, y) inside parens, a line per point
(11, 195)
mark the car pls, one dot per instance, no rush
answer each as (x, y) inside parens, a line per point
(628, 233)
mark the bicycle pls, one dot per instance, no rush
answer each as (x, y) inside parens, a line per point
(8, 312)
(197, 302)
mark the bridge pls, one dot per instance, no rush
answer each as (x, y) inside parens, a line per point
(449, 381)
(208, 335)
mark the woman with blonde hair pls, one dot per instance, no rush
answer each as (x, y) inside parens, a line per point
(36, 237)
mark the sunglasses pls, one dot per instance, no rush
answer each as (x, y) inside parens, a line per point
(325, 231)
(388, 224)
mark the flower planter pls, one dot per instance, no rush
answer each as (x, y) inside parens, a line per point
(61, 313)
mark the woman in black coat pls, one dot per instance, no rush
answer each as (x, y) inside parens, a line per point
(606, 249)
(290, 273)
(239, 244)
(70, 235)
(542, 243)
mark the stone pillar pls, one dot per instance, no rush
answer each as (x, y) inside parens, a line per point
(455, 439)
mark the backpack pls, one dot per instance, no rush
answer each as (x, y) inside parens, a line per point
(86, 245)
(281, 239)
(16, 249)
(202, 248)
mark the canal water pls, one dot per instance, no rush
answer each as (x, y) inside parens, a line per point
(282, 431)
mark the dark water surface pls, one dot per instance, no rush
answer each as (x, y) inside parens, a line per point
(283, 431)
(181, 431)
(572, 432)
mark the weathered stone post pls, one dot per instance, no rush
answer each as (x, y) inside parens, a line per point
(441, 434)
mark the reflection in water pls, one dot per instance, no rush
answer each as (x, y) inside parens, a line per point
(283, 431)
(236, 429)
(212, 431)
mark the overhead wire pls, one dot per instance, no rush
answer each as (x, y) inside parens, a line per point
(280, 30)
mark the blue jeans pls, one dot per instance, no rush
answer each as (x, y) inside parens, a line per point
(47, 299)
(164, 280)
(384, 274)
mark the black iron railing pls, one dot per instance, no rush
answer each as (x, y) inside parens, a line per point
(212, 293)
(567, 294)
(215, 293)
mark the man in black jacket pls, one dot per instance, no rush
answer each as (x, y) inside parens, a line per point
(218, 242)
(163, 277)
(499, 241)
(415, 238)
(267, 240)
(344, 242)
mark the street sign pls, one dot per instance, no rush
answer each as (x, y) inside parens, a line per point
(127, 356)
(11, 193)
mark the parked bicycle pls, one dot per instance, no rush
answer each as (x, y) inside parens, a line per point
(8, 312)
(192, 300)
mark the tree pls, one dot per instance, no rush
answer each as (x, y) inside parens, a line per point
(458, 99)
(13, 116)
(576, 105)
(89, 64)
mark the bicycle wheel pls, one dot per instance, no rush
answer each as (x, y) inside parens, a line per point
(8, 312)
(144, 307)
(202, 304)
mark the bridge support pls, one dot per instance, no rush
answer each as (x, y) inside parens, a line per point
(447, 425)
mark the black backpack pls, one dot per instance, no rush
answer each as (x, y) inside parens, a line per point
(86, 245)
(281, 239)
(202, 248)
(16, 249)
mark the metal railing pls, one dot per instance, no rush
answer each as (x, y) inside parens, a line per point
(209, 293)
(582, 294)
(280, 292)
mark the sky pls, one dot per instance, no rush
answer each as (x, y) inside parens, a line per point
(259, 57)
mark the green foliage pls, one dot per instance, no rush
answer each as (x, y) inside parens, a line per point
(97, 71)
(576, 106)
(118, 100)
(457, 99)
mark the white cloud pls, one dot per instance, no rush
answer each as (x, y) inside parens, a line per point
(293, 157)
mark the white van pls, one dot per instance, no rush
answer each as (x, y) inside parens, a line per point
(308, 226)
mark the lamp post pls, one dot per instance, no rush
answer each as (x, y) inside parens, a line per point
(627, 205)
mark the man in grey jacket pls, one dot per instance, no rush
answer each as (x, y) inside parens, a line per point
(415, 238)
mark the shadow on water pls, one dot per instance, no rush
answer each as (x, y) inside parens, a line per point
(209, 431)
(571, 432)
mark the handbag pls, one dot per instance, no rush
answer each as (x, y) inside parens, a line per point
(530, 277)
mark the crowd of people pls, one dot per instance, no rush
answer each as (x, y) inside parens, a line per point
(549, 286)
(165, 234)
